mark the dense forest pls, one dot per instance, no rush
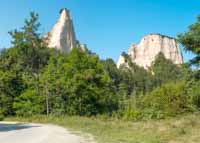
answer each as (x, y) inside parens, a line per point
(36, 80)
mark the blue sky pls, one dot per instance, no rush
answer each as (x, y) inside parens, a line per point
(108, 27)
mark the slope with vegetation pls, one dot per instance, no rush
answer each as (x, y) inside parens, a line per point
(36, 80)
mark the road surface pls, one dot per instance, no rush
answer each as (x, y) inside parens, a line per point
(11, 132)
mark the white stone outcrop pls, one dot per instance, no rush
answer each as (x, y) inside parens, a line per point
(145, 52)
(62, 35)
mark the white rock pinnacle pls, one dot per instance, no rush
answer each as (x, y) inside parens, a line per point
(62, 35)
(145, 52)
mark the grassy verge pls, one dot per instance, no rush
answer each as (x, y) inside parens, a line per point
(185, 129)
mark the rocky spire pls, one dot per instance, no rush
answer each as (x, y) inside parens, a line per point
(62, 35)
(145, 52)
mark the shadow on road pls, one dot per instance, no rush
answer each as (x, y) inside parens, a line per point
(12, 127)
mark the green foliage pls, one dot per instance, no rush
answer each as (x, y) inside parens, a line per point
(21, 65)
(35, 79)
(81, 82)
(5, 105)
(29, 52)
(1, 114)
(190, 41)
(11, 86)
(165, 71)
(168, 100)
(131, 110)
(135, 79)
(194, 92)
(28, 35)
(29, 103)
(112, 70)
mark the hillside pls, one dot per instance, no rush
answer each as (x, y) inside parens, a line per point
(71, 86)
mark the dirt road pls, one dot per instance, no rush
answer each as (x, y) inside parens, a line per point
(11, 132)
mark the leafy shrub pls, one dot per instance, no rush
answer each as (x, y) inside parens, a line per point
(131, 109)
(80, 82)
(132, 114)
(29, 103)
(5, 104)
(194, 92)
(1, 116)
(168, 100)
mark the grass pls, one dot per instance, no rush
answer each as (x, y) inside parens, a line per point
(184, 129)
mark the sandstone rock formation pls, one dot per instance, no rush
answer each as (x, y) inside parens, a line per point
(62, 35)
(145, 52)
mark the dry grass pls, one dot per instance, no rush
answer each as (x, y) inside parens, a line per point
(184, 129)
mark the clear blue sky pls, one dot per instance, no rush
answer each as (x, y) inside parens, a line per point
(108, 27)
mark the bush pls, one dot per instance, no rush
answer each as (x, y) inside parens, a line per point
(194, 92)
(5, 105)
(1, 116)
(132, 114)
(29, 103)
(131, 110)
(79, 85)
(169, 100)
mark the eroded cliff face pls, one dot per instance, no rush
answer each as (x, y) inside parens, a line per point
(145, 52)
(62, 35)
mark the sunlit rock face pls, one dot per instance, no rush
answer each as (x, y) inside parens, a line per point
(145, 52)
(62, 35)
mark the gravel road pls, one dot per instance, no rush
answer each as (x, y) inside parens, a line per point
(11, 132)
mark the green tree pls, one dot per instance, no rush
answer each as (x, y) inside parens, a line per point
(29, 103)
(53, 84)
(194, 92)
(135, 78)
(31, 51)
(81, 82)
(165, 71)
(190, 41)
(170, 99)
(112, 70)
(11, 86)
(22, 64)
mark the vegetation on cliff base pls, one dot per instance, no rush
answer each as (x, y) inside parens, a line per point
(36, 80)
